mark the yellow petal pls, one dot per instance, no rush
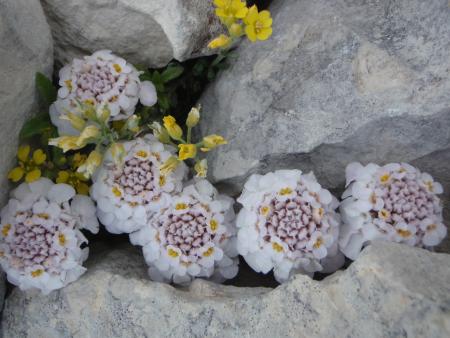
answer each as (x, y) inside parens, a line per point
(39, 157)
(170, 165)
(241, 13)
(222, 41)
(201, 168)
(33, 175)
(82, 188)
(250, 32)
(187, 151)
(264, 34)
(252, 15)
(264, 15)
(66, 143)
(16, 174)
(63, 177)
(23, 152)
(88, 133)
(172, 127)
(220, 3)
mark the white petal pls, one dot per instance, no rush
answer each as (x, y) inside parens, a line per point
(147, 93)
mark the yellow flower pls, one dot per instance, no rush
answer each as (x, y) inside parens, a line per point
(212, 141)
(222, 41)
(66, 143)
(88, 133)
(170, 165)
(172, 127)
(92, 163)
(76, 121)
(230, 10)
(76, 180)
(160, 133)
(258, 24)
(187, 151)
(193, 117)
(201, 168)
(28, 167)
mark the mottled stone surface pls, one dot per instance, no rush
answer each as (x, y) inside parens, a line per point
(144, 32)
(26, 47)
(339, 81)
(390, 291)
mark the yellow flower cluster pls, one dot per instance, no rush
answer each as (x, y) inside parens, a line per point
(240, 20)
(94, 128)
(171, 131)
(29, 166)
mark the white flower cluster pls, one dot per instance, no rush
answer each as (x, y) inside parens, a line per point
(288, 223)
(194, 236)
(100, 79)
(395, 202)
(40, 240)
(130, 192)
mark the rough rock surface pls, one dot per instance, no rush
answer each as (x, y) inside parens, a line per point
(390, 291)
(26, 47)
(339, 81)
(144, 32)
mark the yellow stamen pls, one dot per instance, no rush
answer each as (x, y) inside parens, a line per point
(318, 243)
(43, 215)
(404, 233)
(265, 210)
(181, 206)
(214, 225)
(5, 230)
(142, 153)
(117, 68)
(285, 191)
(62, 240)
(385, 178)
(37, 273)
(383, 214)
(69, 84)
(208, 252)
(172, 253)
(277, 247)
(162, 180)
(116, 191)
(431, 227)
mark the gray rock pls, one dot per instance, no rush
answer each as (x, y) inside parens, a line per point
(144, 32)
(339, 81)
(26, 47)
(390, 291)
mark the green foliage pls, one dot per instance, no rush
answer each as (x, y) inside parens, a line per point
(46, 89)
(179, 85)
(37, 125)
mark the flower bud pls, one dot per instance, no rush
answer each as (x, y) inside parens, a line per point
(160, 132)
(172, 127)
(193, 117)
(222, 41)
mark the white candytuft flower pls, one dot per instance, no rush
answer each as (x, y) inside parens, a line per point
(101, 78)
(194, 236)
(129, 192)
(395, 202)
(40, 235)
(288, 223)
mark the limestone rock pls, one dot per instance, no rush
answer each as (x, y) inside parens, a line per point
(144, 32)
(390, 291)
(26, 47)
(339, 81)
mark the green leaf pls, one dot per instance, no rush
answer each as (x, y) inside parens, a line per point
(46, 89)
(35, 126)
(171, 73)
(164, 102)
